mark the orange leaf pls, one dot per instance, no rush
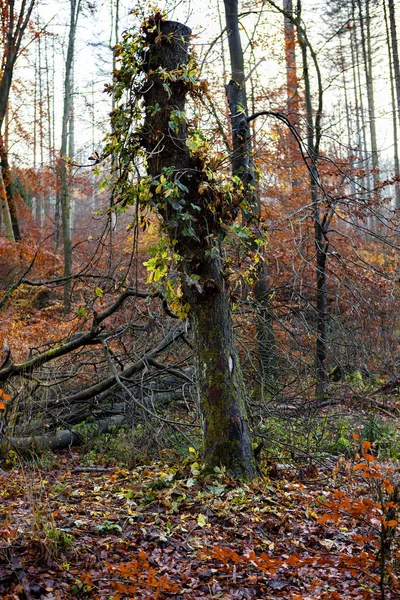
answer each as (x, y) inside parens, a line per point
(369, 457)
(2, 406)
(391, 523)
(87, 578)
(329, 517)
(359, 466)
(356, 436)
(366, 445)
(6, 397)
(388, 486)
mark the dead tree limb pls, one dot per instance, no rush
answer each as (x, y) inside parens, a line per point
(89, 337)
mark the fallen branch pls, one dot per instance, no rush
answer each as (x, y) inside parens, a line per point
(174, 334)
(173, 424)
(93, 336)
(65, 438)
(92, 469)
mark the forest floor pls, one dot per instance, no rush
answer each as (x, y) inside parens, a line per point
(73, 531)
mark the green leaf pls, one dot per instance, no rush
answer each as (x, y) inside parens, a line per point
(99, 292)
(217, 490)
(202, 520)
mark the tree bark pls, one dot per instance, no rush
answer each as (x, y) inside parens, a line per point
(396, 69)
(320, 232)
(367, 58)
(9, 189)
(14, 30)
(292, 86)
(390, 43)
(65, 196)
(243, 167)
(4, 209)
(220, 386)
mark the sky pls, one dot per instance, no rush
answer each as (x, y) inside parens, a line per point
(94, 61)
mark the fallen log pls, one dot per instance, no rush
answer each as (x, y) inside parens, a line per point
(64, 438)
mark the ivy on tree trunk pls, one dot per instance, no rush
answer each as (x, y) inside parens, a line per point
(221, 392)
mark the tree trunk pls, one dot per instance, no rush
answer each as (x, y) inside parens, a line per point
(395, 52)
(65, 438)
(357, 106)
(349, 124)
(65, 197)
(5, 212)
(292, 86)
(320, 232)
(367, 57)
(396, 69)
(395, 112)
(220, 386)
(219, 380)
(9, 190)
(359, 96)
(13, 31)
(243, 167)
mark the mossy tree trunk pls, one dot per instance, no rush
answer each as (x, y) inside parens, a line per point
(219, 379)
(221, 391)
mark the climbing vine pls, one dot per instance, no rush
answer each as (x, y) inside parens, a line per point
(196, 203)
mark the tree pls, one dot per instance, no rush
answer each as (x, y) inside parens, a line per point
(292, 83)
(196, 205)
(365, 29)
(394, 55)
(14, 24)
(320, 222)
(65, 198)
(243, 167)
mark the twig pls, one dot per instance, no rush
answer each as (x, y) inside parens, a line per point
(139, 404)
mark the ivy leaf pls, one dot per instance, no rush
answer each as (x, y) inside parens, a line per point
(217, 490)
(201, 520)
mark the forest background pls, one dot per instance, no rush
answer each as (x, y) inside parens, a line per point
(209, 277)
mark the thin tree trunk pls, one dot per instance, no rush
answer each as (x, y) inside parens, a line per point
(65, 197)
(395, 52)
(353, 45)
(359, 93)
(367, 57)
(243, 167)
(394, 107)
(14, 30)
(292, 86)
(349, 124)
(396, 69)
(320, 233)
(49, 126)
(41, 130)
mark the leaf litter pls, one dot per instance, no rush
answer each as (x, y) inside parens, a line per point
(168, 531)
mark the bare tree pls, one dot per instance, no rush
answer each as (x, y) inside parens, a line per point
(65, 195)
(13, 26)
